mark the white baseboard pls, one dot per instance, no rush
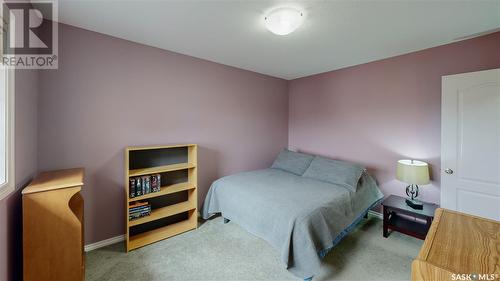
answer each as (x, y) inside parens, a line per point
(376, 214)
(120, 238)
(104, 243)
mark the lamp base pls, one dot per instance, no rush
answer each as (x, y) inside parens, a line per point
(415, 204)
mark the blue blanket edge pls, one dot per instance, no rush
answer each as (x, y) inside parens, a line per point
(343, 233)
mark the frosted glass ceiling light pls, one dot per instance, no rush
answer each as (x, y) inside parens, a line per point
(283, 21)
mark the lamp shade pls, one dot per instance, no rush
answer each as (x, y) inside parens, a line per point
(413, 172)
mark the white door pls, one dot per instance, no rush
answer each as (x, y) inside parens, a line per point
(470, 143)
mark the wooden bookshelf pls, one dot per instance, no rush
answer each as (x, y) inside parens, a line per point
(174, 207)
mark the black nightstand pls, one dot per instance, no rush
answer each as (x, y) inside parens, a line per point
(402, 218)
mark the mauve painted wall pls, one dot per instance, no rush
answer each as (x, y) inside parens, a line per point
(379, 112)
(110, 93)
(26, 87)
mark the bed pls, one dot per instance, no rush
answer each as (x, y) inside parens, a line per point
(303, 214)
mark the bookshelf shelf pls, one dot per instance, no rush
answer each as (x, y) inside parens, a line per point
(137, 148)
(161, 233)
(160, 169)
(165, 190)
(174, 207)
(163, 212)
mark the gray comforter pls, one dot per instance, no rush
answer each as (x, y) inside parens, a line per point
(297, 215)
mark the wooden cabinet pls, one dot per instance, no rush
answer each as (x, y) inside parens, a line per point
(53, 227)
(459, 247)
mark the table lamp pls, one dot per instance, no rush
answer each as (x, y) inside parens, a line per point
(413, 172)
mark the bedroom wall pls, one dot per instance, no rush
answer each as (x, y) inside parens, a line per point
(26, 87)
(110, 93)
(379, 112)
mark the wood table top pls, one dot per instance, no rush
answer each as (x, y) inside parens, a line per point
(52, 180)
(398, 202)
(462, 243)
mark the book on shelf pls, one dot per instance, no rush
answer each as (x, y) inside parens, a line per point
(138, 186)
(143, 185)
(146, 184)
(139, 210)
(155, 183)
(138, 204)
(131, 188)
(138, 215)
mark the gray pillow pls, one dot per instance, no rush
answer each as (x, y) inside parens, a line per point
(335, 171)
(293, 162)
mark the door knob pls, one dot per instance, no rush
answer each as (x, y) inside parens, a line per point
(448, 171)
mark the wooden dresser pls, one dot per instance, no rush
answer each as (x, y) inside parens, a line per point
(459, 246)
(53, 227)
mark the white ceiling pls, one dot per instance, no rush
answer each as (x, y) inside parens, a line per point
(335, 34)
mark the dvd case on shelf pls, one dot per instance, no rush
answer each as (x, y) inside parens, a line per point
(143, 185)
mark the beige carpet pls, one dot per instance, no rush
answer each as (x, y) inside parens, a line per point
(218, 251)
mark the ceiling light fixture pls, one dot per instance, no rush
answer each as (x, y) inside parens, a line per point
(283, 21)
